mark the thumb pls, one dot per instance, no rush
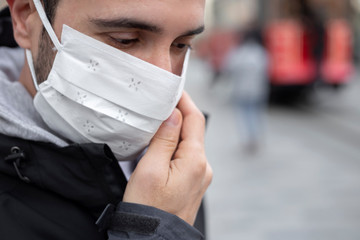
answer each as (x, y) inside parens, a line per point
(164, 143)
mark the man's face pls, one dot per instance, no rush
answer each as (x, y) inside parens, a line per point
(156, 31)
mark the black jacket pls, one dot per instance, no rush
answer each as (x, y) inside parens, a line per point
(68, 189)
(48, 192)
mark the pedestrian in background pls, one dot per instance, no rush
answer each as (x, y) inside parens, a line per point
(246, 67)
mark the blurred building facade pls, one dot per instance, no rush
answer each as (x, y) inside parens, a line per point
(238, 13)
(309, 41)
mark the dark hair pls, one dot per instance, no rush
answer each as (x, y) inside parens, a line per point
(50, 9)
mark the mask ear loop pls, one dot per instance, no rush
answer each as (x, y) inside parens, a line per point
(31, 66)
(52, 35)
(47, 24)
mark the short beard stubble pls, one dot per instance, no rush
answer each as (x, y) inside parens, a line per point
(45, 57)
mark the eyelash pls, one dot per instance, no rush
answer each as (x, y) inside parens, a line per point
(181, 46)
(123, 43)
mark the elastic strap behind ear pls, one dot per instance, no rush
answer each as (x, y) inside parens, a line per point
(47, 24)
(31, 66)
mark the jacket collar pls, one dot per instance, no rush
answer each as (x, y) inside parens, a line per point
(87, 174)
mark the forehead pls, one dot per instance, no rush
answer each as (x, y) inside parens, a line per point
(173, 13)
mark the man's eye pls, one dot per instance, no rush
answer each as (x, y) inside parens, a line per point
(127, 41)
(124, 42)
(181, 45)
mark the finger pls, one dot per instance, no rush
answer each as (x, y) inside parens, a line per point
(193, 120)
(163, 144)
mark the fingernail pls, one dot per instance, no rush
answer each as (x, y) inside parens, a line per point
(173, 120)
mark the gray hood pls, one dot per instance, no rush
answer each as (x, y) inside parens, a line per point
(18, 117)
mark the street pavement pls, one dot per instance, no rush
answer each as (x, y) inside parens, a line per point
(303, 183)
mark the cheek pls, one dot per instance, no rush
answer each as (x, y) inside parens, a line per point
(177, 63)
(35, 46)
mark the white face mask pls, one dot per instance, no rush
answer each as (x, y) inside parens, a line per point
(96, 93)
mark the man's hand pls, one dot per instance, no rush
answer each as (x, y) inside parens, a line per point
(174, 173)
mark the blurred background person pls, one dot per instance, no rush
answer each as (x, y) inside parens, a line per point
(246, 67)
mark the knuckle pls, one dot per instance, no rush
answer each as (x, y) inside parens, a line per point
(209, 175)
(197, 148)
(166, 143)
(200, 116)
(200, 167)
(192, 149)
(169, 144)
(169, 140)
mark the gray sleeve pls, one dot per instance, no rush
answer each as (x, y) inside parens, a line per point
(135, 221)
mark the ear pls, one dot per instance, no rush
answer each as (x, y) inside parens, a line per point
(24, 19)
(10, 2)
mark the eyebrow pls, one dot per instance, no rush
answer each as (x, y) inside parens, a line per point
(193, 32)
(125, 23)
(137, 24)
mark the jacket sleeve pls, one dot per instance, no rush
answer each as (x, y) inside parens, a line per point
(135, 221)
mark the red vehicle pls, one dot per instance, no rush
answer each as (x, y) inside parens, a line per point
(306, 46)
(289, 52)
(337, 64)
(291, 58)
